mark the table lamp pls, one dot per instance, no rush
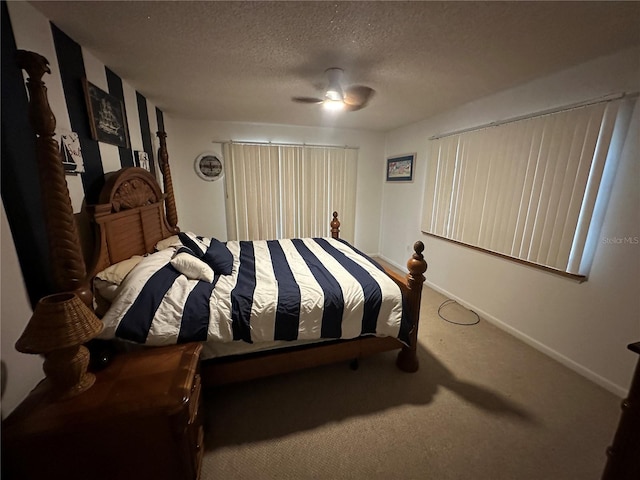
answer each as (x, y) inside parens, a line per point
(60, 324)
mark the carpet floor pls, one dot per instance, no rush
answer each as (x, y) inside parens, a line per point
(483, 405)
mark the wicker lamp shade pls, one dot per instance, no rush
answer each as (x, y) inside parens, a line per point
(60, 320)
(60, 324)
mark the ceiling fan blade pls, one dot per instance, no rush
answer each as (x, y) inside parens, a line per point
(357, 97)
(307, 99)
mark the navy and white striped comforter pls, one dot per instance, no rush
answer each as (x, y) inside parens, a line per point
(300, 289)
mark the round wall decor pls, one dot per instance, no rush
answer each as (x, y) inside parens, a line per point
(208, 166)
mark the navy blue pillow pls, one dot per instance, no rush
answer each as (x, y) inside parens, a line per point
(219, 257)
(191, 244)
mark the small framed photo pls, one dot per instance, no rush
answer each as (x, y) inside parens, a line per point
(400, 168)
(107, 117)
(142, 160)
(72, 160)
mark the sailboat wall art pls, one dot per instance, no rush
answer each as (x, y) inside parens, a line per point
(72, 160)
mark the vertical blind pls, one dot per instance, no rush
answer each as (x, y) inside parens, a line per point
(525, 189)
(285, 191)
(251, 181)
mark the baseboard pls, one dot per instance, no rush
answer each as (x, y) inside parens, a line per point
(402, 268)
(567, 362)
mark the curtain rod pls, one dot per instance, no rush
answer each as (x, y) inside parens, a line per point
(278, 144)
(606, 98)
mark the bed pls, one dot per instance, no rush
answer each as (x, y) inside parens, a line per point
(134, 215)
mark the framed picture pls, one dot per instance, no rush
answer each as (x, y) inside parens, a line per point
(72, 160)
(208, 166)
(400, 168)
(142, 160)
(107, 117)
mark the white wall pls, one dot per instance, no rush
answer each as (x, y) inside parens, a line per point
(586, 326)
(201, 203)
(20, 372)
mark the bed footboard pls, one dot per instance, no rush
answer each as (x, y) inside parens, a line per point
(411, 287)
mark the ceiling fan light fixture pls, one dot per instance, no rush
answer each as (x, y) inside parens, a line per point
(338, 97)
(333, 105)
(334, 93)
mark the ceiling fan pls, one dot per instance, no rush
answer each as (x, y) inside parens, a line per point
(337, 97)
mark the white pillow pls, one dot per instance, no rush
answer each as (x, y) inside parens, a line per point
(115, 273)
(106, 290)
(191, 267)
(104, 294)
(172, 241)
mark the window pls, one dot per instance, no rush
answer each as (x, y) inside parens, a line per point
(285, 191)
(527, 188)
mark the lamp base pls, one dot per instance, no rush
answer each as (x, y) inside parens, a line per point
(66, 370)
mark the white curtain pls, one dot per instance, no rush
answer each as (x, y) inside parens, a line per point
(289, 191)
(525, 189)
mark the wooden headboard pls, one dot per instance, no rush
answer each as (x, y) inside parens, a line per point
(130, 218)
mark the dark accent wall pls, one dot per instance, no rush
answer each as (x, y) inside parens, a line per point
(20, 185)
(115, 88)
(160, 117)
(147, 143)
(72, 73)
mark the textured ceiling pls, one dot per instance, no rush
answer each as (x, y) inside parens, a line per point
(243, 61)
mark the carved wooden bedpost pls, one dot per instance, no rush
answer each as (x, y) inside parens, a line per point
(408, 357)
(170, 201)
(67, 263)
(335, 226)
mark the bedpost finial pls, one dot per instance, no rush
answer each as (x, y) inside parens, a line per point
(41, 117)
(163, 154)
(417, 266)
(35, 64)
(418, 247)
(335, 226)
(170, 202)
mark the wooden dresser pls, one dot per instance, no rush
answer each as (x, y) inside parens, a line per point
(141, 420)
